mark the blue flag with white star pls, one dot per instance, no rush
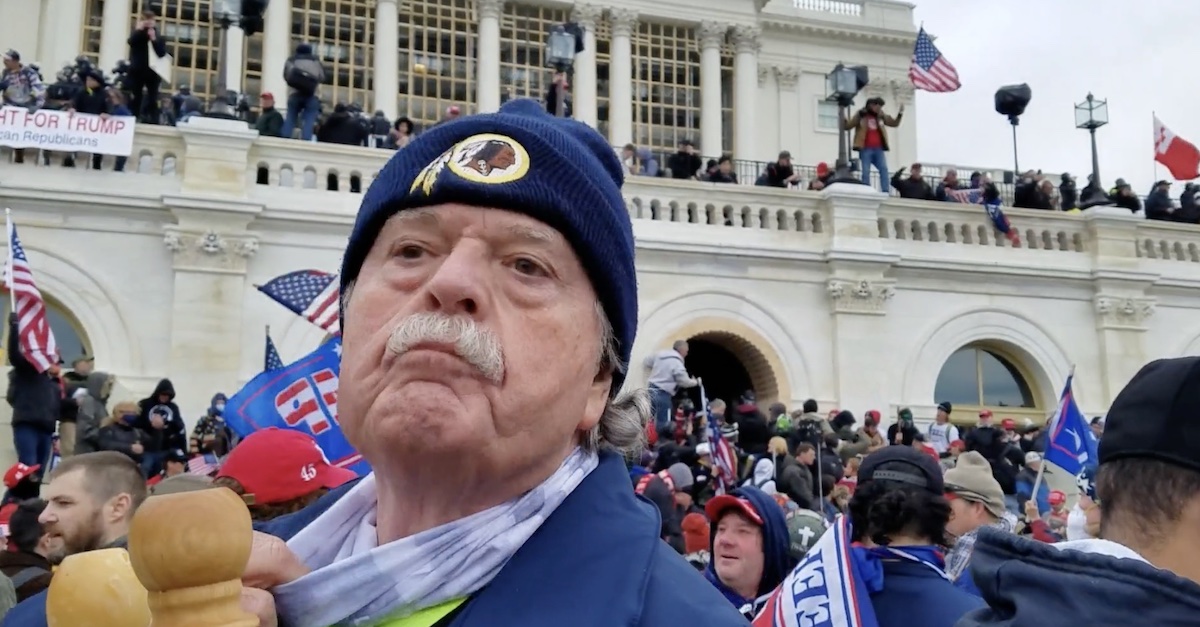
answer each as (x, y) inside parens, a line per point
(1072, 445)
(303, 396)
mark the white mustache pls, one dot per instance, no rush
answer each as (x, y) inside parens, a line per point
(472, 343)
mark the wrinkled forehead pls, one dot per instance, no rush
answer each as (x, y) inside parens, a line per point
(454, 219)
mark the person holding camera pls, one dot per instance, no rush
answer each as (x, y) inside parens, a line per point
(870, 139)
(143, 80)
(303, 74)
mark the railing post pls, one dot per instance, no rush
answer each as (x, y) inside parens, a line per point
(216, 157)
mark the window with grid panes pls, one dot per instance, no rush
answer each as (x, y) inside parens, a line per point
(523, 33)
(727, 91)
(341, 34)
(827, 115)
(666, 85)
(603, 57)
(437, 59)
(89, 44)
(252, 76)
(193, 41)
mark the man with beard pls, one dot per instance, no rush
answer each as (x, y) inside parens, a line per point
(32, 553)
(90, 503)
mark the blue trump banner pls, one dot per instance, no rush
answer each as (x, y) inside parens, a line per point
(1072, 445)
(300, 396)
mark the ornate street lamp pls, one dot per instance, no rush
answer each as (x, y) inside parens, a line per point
(841, 86)
(1091, 114)
(225, 13)
(560, 55)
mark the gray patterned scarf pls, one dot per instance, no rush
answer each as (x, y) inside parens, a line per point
(355, 582)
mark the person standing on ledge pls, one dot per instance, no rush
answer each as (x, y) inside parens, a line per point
(489, 307)
(870, 139)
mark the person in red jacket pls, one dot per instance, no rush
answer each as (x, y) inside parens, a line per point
(22, 484)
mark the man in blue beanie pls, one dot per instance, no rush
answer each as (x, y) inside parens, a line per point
(489, 306)
(750, 547)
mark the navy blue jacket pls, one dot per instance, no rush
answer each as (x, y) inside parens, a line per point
(777, 560)
(913, 594)
(1030, 584)
(597, 561)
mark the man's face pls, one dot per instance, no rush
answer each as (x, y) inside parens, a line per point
(725, 167)
(683, 499)
(518, 287)
(942, 416)
(266, 102)
(10, 64)
(686, 148)
(84, 366)
(738, 551)
(174, 468)
(985, 421)
(807, 457)
(952, 177)
(870, 428)
(72, 515)
(965, 516)
(1098, 429)
(916, 171)
(504, 159)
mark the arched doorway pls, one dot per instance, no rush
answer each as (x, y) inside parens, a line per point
(730, 365)
(983, 375)
(68, 333)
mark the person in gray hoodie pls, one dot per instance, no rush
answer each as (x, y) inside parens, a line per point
(93, 409)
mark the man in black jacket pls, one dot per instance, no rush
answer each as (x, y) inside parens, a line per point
(161, 420)
(685, 163)
(36, 400)
(1159, 205)
(93, 100)
(914, 186)
(144, 81)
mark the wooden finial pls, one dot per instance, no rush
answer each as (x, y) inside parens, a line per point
(189, 550)
(97, 588)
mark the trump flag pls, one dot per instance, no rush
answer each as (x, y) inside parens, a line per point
(1072, 445)
(302, 396)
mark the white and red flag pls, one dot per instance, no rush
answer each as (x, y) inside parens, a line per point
(34, 335)
(1181, 157)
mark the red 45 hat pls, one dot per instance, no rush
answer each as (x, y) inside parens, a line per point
(277, 465)
(17, 473)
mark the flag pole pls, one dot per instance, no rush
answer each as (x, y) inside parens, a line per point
(1037, 483)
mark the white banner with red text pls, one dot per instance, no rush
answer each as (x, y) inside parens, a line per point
(66, 131)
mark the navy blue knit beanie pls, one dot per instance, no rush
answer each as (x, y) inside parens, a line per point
(521, 159)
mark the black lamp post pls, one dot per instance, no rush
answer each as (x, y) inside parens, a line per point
(225, 13)
(842, 85)
(1091, 114)
(560, 55)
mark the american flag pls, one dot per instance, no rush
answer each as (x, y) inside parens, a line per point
(311, 294)
(929, 69)
(203, 465)
(724, 457)
(34, 334)
(971, 196)
(272, 361)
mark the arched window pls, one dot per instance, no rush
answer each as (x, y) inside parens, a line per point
(68, 333)
(980, 376)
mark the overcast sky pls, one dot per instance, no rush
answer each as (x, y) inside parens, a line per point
(1139, 55)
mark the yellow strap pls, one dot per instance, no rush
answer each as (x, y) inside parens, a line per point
(427, 617)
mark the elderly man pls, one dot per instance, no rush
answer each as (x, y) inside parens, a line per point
(487, 316)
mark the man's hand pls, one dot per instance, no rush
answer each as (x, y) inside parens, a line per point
(1031, 511)
(271, 564)
(137, 448)
(104, 116)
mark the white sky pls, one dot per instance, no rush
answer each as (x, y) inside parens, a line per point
(1142, 56)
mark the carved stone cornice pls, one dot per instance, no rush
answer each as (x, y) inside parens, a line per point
(624, 21)
(210, 251)
(1117, 312)
(747, 38)
(489, 8)
(711, 34)
(586, 15)
(861, 296)
(788, 77)
(764, 73)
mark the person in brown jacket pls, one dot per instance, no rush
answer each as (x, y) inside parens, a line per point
(870, 139)
(28, 562)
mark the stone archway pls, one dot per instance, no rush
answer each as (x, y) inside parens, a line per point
(736, 356)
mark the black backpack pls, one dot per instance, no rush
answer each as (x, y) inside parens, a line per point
(301, 80)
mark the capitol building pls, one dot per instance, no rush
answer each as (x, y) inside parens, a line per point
(857, 299)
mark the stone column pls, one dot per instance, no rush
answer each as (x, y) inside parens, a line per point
(385, 76)
(277, 47)
(235, 58)
(487, 56)
(859, 290)
(712, 35)
(584, 83)
(620, 77)
(59, 37)
(216, 154)
(787, 78)
(745, 79)
(114, 36)
(1121, 301)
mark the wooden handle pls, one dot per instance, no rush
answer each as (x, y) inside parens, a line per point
(189, 550)
(97, 588)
